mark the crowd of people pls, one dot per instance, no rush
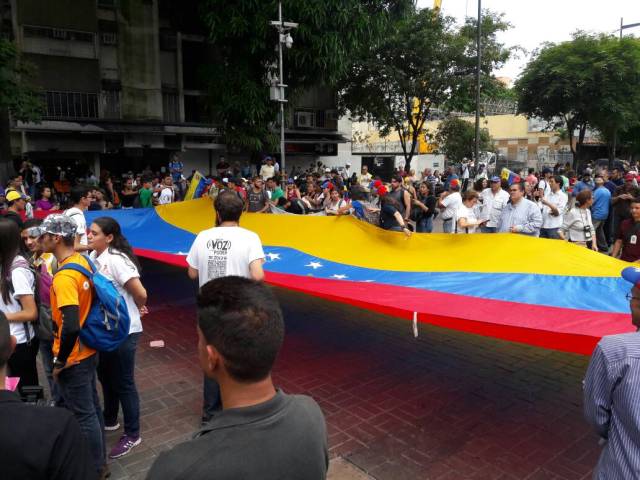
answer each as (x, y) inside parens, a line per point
(48, 291)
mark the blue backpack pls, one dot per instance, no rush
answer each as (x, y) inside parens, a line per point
(107, 324)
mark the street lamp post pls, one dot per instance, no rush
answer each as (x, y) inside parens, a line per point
(479, 48)
(284, 38)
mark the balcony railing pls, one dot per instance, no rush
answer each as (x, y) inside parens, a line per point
(68, 105)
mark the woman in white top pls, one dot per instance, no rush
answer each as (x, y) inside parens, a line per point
(577, 226)
(466, 218)
(337, 205)
(114, 258)
(18, 304)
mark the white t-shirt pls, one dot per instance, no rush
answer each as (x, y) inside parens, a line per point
(119, 269)
(451, 204)
(166, 196)
(22, 281)
(224, 251)
(560, 200)
(267, 172)
(78, 216)
(468, 213)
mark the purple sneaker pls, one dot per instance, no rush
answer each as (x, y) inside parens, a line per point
(124, 446)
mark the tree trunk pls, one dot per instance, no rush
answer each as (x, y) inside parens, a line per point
(6, 161)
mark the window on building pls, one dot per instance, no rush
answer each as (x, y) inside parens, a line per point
(170, 106)
(71, 105)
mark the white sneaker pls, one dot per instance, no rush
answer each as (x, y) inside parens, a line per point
(112, 428)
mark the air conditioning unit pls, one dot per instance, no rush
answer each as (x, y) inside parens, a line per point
(305, 119)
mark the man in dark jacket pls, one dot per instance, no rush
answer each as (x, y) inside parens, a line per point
(37, 442)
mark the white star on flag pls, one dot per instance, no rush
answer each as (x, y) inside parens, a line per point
(339, 277)
(273, 256)
(314, 265)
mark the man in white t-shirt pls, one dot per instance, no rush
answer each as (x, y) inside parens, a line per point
(267, 170)
(449, 203)
(554, 205)
(81, 198)
(493, 201)
(222, 251)
(166, 194)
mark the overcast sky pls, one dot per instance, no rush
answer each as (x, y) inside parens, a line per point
(539, 21)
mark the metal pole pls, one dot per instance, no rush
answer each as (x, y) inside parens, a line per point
(621, 25)
(282, 161)
(479, 47)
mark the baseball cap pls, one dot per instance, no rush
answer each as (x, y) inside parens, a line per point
(56, 224)
(13, 195)
(632, 275)
(547, 170)
(454, 183)
(496, 179)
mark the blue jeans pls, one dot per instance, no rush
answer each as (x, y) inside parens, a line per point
(78, 387)
(424, 225)
(447, 225)
(47, 362)
(484, 229)
(550, 233)
(116, 374)
(212, 399)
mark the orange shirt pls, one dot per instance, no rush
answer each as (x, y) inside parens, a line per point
(71, 288)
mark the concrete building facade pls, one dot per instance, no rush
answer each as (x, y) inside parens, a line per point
(122, 90)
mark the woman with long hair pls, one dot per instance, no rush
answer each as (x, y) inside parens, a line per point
(17, 302)
(426, 206)
(114, 258)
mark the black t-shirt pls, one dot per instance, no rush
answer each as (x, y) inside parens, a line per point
(630, 246)
(387, 217)
(430, 203)
(127, 199)
(282, 438)
(38, 442)
(14, 217)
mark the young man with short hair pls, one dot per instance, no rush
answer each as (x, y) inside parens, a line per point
(146, 193)
(257, 197)
(224, 250)
(61, 452)
(166, 193)
(273, 190)
(16, 203)
(81, 199)
(554, 205)
(627, 244)
(74, 364)
(261, 432)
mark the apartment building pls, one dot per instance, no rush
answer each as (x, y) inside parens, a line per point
(122, 89)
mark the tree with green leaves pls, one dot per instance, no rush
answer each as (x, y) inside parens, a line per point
(455, 138)
(19, 100)
(330, 34)
(591, 81)
(424, 61)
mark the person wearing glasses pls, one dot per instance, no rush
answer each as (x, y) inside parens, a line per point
(520, 215)
(612, 391)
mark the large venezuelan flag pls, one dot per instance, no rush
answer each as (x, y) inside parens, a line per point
(547, 293)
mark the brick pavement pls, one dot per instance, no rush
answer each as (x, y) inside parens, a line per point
(446, 405)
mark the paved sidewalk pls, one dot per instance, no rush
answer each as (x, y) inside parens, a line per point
(446, 405)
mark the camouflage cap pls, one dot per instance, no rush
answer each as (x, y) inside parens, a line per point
(57, 224)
